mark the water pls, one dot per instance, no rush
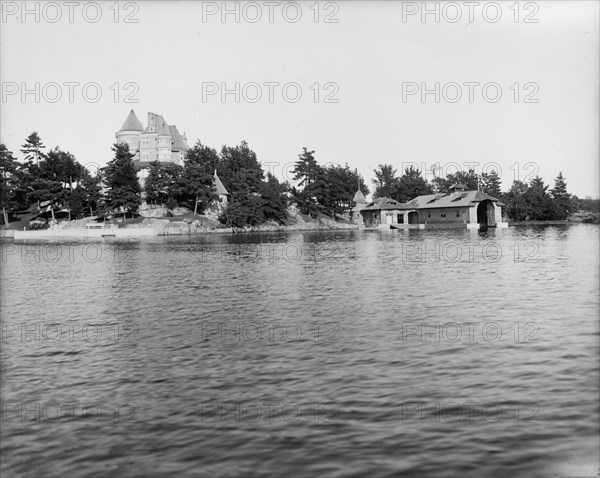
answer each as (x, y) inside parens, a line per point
(367, 362)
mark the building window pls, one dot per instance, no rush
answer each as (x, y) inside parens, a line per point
(152, 129)
(443, 215)
(457, 213)
(428, 214)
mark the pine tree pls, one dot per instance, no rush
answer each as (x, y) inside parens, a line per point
(8, 169)
(306, 170)
(197, 183)
(124, 191)
(410, 185)
(491, 184)
(32, 149)
(562, 199)
(538, 201)
(385, 181)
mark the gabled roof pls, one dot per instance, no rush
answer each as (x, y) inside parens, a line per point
(219, 185)
(456, 199)
(359, 197)
(132, 123)
(383, 204)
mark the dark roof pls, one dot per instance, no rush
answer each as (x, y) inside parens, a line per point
(456, 199)
(383, 204)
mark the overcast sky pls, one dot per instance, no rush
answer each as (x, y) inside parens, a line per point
(370, 60)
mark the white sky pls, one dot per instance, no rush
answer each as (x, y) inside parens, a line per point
(369, 53)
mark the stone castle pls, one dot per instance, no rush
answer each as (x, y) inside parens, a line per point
(158, 141)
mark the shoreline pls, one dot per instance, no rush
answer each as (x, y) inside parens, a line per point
(184, 229)
(134, 232)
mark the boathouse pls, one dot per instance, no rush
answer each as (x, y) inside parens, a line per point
(382, 212)
(457, 208)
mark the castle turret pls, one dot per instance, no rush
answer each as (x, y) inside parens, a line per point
(130, 132)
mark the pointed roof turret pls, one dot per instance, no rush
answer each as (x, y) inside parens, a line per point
(220, 188)
(132, 123)
(359, 197)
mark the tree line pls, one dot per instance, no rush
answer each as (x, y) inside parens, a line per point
(55, 180)
(523, 201)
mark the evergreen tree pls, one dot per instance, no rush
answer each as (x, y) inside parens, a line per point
(32, 149)
(197, 183)
(517, 207)
(124, 191)
(490, 184)
(311, 183)
(539, 207)
(8, 171)
(467, 179)
(562, 199)
(275, 201)
(410, 185)
(240, 170)
(163, 182)
(306, 170)
(385, 182)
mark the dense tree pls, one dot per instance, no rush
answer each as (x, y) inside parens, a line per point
(197, 183)
(124, 191)
(327, 190)
(306, 169)
(490, 184)
(32, 149)
(385, 182)
(240, 170)
(243, 211)
(163, 182)
(310, 178)
(537, 200)
(275, 201)
(61, 166)
(562, 199)
(8, 171)
(336, 189)
(517, 207)
(468, 179)
(410, 185)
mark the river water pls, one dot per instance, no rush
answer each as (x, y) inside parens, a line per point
(342, 353)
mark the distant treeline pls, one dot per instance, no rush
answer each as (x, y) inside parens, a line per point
(523, 201)
(56, 180)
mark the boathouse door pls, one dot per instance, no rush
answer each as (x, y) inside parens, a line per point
(413, 217)
(486, 214)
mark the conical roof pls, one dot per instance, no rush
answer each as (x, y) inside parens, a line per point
(132, 123)
(359, 197)
(220, 188)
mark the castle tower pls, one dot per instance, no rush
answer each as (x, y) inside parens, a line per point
(163, 142)
(130, 132)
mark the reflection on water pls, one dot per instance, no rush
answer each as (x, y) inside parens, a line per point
(354, 353)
